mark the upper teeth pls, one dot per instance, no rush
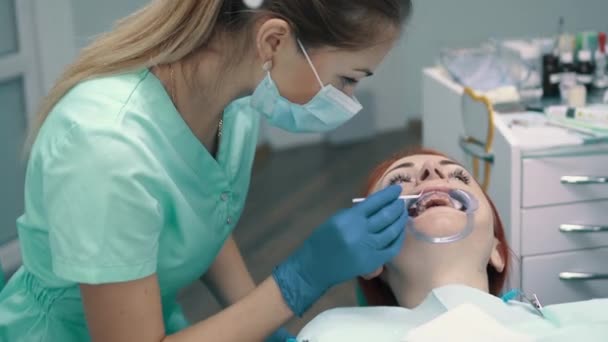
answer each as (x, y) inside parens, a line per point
(421, 205)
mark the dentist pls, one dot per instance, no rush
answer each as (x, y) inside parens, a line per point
(141, 160)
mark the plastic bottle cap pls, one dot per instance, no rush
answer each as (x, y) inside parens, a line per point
(577, 96)
(567, 58)
(584, 56)
(601, 39)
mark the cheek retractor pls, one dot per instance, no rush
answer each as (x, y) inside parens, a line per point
(469, 206)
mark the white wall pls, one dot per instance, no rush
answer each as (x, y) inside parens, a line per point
(54, 43)
(92, 17)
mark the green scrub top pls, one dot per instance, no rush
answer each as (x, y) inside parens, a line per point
(118, 188)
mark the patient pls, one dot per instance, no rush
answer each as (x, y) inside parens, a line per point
(428, 279)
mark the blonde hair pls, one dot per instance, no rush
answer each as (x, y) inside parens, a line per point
(167, 31)
(163, 31)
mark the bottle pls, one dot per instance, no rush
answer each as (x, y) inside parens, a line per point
(579, 43)
(551, 75)
(585, 69)
(568, 74)
(601, 74)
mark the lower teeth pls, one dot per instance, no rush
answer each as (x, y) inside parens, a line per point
(414, 209)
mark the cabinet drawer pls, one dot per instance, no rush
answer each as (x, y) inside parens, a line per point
(547, 276)
(564, 228)
(561, 180)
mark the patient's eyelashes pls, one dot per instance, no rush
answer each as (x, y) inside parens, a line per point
(400, 179)
(461, 176)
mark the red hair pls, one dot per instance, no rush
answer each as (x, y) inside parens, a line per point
(378, 293)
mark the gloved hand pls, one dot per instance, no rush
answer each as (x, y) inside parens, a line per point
(354, 242)
(281, 335)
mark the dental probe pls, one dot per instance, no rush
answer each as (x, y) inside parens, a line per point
(359, 200)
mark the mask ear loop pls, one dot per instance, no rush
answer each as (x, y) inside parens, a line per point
(312, 66)
(267, 66)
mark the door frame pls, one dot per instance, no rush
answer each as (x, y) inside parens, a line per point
(23, 63)
(45, 39)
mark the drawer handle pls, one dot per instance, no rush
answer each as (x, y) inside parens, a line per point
(581, 276)
(584, 180)
(576, 228)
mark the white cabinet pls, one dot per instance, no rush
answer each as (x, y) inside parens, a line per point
(567, 277)
(554, 202)
(566, 227)
(548, 181)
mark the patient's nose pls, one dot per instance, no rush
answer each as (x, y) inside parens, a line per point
(430, 170)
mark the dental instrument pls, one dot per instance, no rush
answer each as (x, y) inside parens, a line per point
(535, 302)
(409, 197)
(460, 199)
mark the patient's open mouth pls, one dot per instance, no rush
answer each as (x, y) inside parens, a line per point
(434, 199)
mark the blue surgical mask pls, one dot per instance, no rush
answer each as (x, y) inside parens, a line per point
(329, 109)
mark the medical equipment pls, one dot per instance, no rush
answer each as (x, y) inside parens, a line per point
(359, 200)
(585, 68)
(560, 31)
(534, 301)
(594, 114)
(601, 78)
(592, 121)
(568, 75)
(566, 43)
(530, 53)
(485, 68)
(550, 75)
(577, 96)
(460, 199)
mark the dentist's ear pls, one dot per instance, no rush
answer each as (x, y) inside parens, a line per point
(273, 35)
(496, 260)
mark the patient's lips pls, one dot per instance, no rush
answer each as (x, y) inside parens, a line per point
(434, 199)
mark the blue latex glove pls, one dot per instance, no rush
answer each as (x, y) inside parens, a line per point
(354, 242)
(281, 335)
